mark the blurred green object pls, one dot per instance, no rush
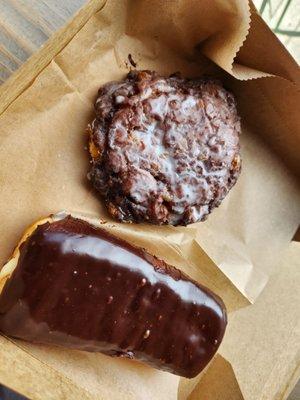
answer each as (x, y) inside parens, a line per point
(268, 5)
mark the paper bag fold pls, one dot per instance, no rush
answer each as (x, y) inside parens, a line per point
(44, 163)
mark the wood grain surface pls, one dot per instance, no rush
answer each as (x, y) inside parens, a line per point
(25, 25)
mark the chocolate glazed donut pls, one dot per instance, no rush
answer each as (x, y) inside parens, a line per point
(164, 150)
(76, 285)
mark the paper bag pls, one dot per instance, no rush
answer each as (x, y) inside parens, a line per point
(44, 165)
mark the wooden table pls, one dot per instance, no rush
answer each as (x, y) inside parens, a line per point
(26, 24)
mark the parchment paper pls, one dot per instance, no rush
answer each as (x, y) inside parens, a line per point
(263, 341)
(44, 162)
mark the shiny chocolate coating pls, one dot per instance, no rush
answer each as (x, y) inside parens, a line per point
(77, 286)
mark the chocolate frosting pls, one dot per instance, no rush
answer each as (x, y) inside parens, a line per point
(165, 150)
(77, 286)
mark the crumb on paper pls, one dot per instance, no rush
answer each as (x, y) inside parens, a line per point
(131, 60)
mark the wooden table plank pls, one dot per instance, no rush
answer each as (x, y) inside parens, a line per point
(25, 25)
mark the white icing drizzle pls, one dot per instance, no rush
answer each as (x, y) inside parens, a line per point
(175, 145)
